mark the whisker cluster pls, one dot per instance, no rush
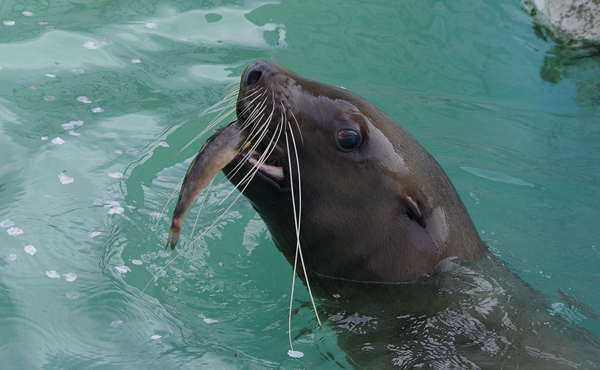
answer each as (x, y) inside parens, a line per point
(259, 119)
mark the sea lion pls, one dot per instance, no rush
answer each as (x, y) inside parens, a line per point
(345, 186)
(372, 203)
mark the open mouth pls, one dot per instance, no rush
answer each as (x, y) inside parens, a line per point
(271, 167)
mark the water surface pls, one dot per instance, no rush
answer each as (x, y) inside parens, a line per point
(464, 77)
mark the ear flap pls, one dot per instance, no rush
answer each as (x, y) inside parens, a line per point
(413, 211)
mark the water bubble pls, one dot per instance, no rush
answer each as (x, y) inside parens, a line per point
(49, 98)
(57, 140)
(52, 274)
(50, 75)
(27, 14)
(116, 323)
(163, 144)
(72, 295)
(64, 179)
(30, 249)
(70, 277)
(135, 60)
(8, 23)
(14, 231)
(295, 354)
(6, 223)
(77, 71)
(11, 257)
(137, 262)
(20, 80)
(116, 211)
(97, 110)
(94, 234)
(123, 269)
(115, 175)
(150, 25)
(44, 138)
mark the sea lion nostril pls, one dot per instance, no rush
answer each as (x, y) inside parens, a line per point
(253, 77)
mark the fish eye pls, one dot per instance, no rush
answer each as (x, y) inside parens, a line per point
(348, 140)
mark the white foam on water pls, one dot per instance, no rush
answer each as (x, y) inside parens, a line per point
(116, 210)
(30, 249)
(58, 141)
(52, 274)
(8, 23)
(116, 323)
(97, 110)
(76, 71)
(6, 223)
(118, 151)
(90, 45)
(49, 98)
(14, 231)
(84, 99)
(111, 203)
(72, 295)
(73, 133)
(150, 25)
(156, 336)
(64, 179)
(44, 138)
(115, 175)
(137, 262)
(27, 13)
(123, 269)
(94, 234)
(295, 354)
(70, 277)
(11, 257)
(163, 144)
(210, 321)
(50, 75)
(135, 61)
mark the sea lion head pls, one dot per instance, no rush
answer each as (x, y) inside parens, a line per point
(337, 176)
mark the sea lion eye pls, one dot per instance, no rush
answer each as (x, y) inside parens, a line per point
(348, 140)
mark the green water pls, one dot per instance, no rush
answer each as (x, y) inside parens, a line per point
(464, 77)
